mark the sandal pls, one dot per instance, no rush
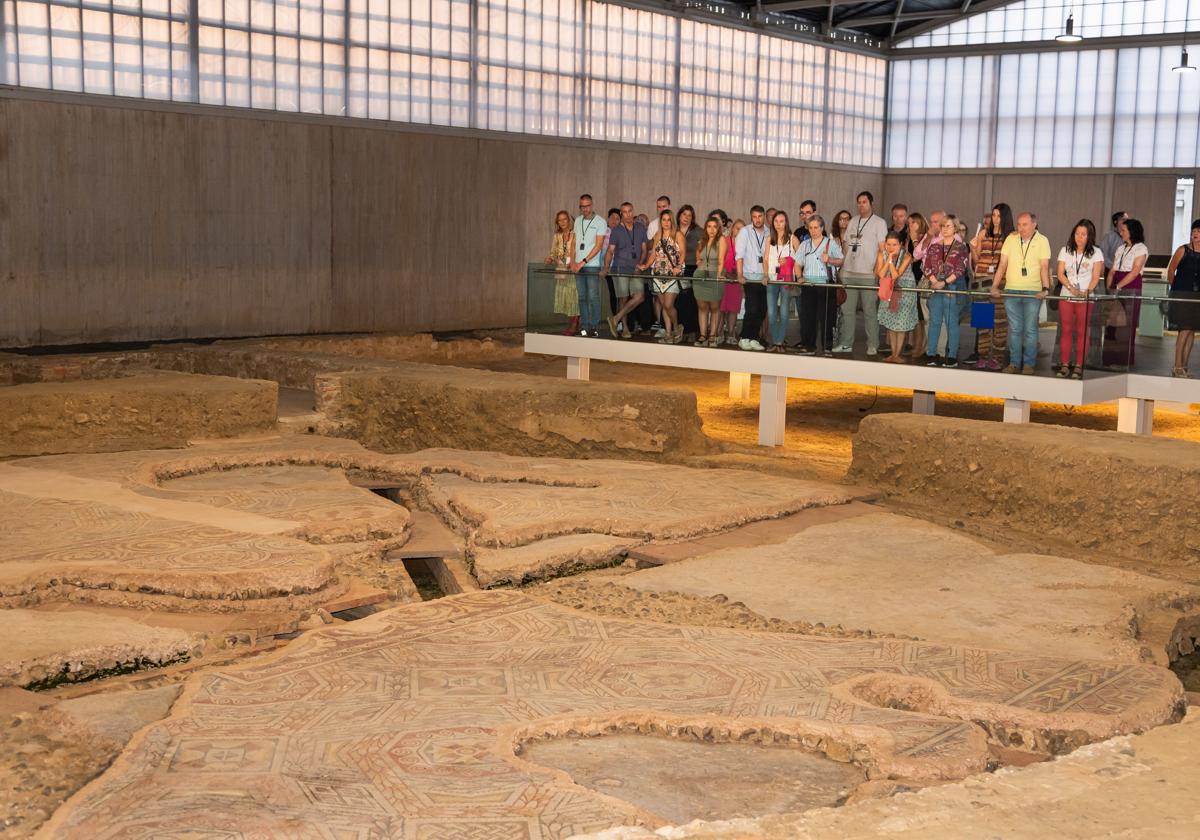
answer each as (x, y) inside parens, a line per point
(1180, 373)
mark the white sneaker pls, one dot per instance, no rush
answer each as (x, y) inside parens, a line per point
(744, 344)
(754, 345)
(660, 332)
(843, 349)
(871, 352)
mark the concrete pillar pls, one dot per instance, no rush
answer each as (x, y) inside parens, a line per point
(1016, 411)
(772, 410)
(579, 368)
(924, 402)
(1135, 416)
(739, 386)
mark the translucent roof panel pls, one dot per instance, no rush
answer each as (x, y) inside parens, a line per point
(1041, 20)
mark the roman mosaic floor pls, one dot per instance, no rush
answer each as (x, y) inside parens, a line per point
(410, 723)
(424, 721)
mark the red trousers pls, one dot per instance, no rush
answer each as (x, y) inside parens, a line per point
(1075, 317)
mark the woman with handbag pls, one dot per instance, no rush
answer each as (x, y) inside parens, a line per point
(779, 261)
(1125, 281)
(665, 262)
(898, 310)
(990, 343)
(1183, 273)
(820, 256)
(566, 295)
(945, 267)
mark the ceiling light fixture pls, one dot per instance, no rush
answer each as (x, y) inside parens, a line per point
(1183, 66)
(1068, 35)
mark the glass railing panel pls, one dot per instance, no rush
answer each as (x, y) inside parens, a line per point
(551, 299)
(1094, 336)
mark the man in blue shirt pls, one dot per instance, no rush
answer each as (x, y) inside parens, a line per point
(627, 250)
(590, 231)
(751, 243)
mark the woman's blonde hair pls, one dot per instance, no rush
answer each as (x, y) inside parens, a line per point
(559, 215)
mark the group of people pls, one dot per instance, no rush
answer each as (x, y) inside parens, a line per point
(679, 279)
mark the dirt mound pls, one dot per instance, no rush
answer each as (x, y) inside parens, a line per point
(1123, 494)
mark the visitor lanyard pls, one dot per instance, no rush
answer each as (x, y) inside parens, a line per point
(587, 224)
(629, 236)
(1024, 251)
(758, 240)
(861, 225)
(1121, 257)
(1078, 266)
(808, 253)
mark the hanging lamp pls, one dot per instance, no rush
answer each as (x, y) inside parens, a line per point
(1183, 66)
(1068, 36)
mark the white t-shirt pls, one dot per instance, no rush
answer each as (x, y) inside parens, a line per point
(1079, 267)
(1126, 254)
(652, 228)
(776, 254)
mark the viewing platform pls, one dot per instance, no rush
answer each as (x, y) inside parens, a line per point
(1136, 393)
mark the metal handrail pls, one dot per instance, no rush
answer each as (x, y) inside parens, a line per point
(974, 293)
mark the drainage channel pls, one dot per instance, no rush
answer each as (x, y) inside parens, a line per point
(423, 571)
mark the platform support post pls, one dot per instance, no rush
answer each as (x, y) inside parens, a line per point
(1016, 411)
(579, 368)
(1135, 416)
(739, 386)
(772, 410)
(924, 402)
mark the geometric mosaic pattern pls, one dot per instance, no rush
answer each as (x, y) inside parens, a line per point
(402, 725)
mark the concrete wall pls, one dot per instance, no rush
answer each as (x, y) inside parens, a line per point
(128, 220)
(1058, 198)
(123, 221)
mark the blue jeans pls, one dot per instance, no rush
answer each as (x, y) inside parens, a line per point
(587, 282)
(1023, 314)
(778, 301)
(945, 309)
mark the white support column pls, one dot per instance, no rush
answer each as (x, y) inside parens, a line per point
(579, 368)
(924, 402)
(772, 410)
(1016, 411)
(1135, 416)
(739, 386)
